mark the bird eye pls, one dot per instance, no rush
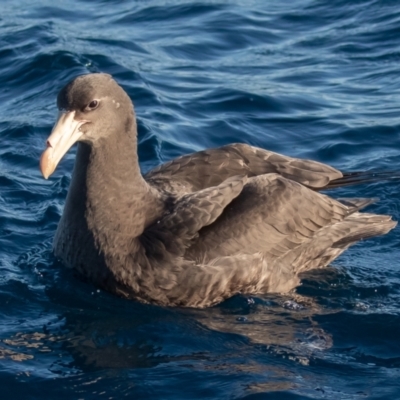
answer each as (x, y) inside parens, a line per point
(92, 105)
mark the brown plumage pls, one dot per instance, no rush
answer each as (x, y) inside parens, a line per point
(200, 228)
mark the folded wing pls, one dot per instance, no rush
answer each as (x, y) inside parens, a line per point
(211, 167)
(176, 230)
(275, 216)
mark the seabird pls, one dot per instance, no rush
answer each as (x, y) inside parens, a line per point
(200, 228)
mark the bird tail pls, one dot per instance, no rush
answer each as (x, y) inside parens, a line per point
(331, 241)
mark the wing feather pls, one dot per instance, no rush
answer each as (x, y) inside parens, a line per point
(191, 212)
(211, 167)
(265, 217)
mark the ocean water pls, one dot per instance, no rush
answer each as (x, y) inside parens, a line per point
(312, 79)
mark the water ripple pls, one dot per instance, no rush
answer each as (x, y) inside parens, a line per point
(317, 80)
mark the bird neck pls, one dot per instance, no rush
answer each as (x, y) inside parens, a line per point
(119, 203)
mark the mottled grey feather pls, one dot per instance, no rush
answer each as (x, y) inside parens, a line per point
(175, 230)
(211, 167)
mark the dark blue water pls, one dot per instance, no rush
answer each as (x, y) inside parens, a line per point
(314, 79)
